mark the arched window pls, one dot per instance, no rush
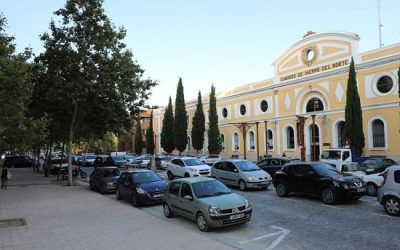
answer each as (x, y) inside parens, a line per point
(270, 139)
(235, 141)
(314, 105)
(222, 141)
(251, 141)
(289, 138)
(378, 134)
(340, 133)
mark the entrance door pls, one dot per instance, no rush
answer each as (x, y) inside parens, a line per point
(314, 142)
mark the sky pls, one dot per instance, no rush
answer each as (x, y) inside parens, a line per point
(227, 43)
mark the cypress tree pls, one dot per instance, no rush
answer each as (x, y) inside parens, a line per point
(353, 114)
(214, 139)
(198, 125)
(138, 137)
(167, 132)
(150, 136)
(180, 122)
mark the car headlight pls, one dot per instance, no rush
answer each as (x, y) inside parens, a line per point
(110, 183)
(253, 179)
(369, 170)
(140, 191)
(214, 210)
(345, 186)
(246, 204)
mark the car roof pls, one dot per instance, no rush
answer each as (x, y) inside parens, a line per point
(234, 160)
(280, 158)
(186, 158)
(108, 167)
(394, 167)
(193, 179)
(138, 170)
(312, 163)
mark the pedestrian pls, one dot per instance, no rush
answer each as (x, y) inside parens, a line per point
(5, 176)
(283, 155)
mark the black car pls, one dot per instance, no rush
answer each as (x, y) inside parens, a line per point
(374, 165)
(318, 179)
(141, 187)
(104, 179)
(18, 161)
(273, 164)
(115, 160)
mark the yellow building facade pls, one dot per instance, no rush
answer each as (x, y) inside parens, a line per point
(310, 79)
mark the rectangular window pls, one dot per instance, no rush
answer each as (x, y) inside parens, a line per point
(397, 176)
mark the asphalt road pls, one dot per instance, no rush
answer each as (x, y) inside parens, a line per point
(300, 222)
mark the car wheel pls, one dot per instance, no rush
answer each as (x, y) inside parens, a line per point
(83, 174)
(186, 175)
(371, 189)
(242, 185)
(328, 196)
(170, 176)
(134, 200)
(392, 206)
(167, 211)
(281, 189)
(117, 194)
(202, 223)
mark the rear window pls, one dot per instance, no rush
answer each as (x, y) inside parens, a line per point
(111, 172)
(397, 176)
(174, 188)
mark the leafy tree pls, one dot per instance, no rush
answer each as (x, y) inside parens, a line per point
(89, 77)
(138, 137)
(198, 125)
(214, 139)
(353, 114)
(167, 132)
(180, 122)
(150, 136)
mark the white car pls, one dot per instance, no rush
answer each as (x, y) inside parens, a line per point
(187, 167)
(210, 159)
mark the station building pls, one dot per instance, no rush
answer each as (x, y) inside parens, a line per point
(310, 79)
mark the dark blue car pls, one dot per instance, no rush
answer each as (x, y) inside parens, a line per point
(141, 187)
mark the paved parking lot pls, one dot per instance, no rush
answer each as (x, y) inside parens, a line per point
(301, 222)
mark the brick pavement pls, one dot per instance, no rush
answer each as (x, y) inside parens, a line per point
(62, 217)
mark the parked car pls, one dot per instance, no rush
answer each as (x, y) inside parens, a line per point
(162, 161)
(141, 186)
(130, 158)
(55, 164)
(374, 165)
(76, 159)
(273, 164)
(389, 193)
(318, 179)
(241, 173)
(143, 161)
(18, 161)
(88, 160)
(104, 179)
(209, 159)
(187, 167)
(207, 201)
(115, 160)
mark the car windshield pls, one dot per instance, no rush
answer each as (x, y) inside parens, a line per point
(326, 170)
(144, 177)
(294, 160)
(247, 166)
(210, 188)
(145, 157)
(129, 157)
(331, 154)
(111, 172)
(118, 157)
(353, 167)
(192, 162)
(166, 159)
(89, 157)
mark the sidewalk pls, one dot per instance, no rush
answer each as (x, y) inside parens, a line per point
(62, 217)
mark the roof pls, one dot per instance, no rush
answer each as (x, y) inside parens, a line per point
(194, 179)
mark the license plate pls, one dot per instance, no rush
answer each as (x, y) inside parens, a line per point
(236, 216)
(361, 189)
(158, 195)
(263, 183)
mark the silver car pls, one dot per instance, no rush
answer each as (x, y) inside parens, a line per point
(389, 193)
(241, 173)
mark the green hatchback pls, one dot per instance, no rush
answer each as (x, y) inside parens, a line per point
(207, 201)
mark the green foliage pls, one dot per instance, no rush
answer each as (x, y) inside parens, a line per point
(138, 138)
(353, 114)
(167, 132)
(214, 139)
(180, 122)
(150, 136)
(17, 130)
(198, 125)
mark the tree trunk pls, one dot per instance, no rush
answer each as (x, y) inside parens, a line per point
(61, 162)
(70, 141)
(47, 158)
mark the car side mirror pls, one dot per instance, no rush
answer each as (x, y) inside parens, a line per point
(188, 197)
(235, 170)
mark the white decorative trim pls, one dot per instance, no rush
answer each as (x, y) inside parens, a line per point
(325, 85)
(287, 101)
(370, 135)
(376, 78)
(257, 106)
(335, 132)
(220, 112)
(237, 108)
(297, 91)
(339, 92)
(302, 102)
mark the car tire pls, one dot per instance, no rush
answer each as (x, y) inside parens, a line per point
(371, 189)
(242, 185)
(170, 176)
(202, 223)
(83, 174)
(117, 194)
(328, 196)
(392, 206)
(167, 211)
(186, 175)
(134, 201)
(281, 189)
